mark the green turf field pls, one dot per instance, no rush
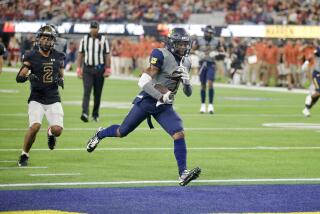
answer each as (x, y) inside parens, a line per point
(232, 146)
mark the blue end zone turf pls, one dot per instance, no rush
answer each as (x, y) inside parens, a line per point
(195, 199)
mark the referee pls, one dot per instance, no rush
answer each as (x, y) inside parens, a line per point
(94, 57)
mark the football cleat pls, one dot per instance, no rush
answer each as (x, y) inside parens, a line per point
(95, 119)
(210, 109)
(93, 141)
(189, 175)
(203, 108)
(51, 141)
(84, 118)
(306, 112)
(23, 160)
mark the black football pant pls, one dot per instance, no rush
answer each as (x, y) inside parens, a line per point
(92, 78)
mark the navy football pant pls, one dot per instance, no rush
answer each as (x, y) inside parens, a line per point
(167, 118)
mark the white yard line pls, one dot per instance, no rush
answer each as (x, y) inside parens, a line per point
(55, 174)
(26, 167)
(164, 149)
(182, 115)
(247, 181)
(7, 161)
(189, 129)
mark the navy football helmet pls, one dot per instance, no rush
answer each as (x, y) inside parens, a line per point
(46, 37)
(179, 42)
(208, 32)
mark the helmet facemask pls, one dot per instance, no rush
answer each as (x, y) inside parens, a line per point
(179, 42)
(46, 38)
(182, 48)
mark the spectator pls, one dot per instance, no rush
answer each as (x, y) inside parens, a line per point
(271, 56)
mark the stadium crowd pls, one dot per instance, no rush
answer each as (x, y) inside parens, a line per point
(295, 12)
(245, 61)
(104, 10)
(166, 11)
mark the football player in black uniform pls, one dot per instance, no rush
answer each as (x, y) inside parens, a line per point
(43, 67)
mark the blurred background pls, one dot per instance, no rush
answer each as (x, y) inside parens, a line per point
(266, 40)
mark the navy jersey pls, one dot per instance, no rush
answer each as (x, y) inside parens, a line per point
(45, 90)
(207, 50)
(168, 65)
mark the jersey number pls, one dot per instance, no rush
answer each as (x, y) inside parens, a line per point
(47, 76)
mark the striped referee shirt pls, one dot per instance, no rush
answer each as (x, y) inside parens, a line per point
(94, 49)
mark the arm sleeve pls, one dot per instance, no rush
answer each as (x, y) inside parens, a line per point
(149, 88)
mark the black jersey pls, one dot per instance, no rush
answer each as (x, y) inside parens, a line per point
(45, 90)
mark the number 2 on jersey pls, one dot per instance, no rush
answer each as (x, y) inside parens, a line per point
(47, 76)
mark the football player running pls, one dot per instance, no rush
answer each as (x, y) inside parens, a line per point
(169, 67)
(313, 98)
(43, 67)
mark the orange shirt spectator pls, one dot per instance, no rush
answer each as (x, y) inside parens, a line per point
(296, 54)
(260, 48)
(271, 54)
(308, 54)
(288, 53)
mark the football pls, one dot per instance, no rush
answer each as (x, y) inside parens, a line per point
(162, 89)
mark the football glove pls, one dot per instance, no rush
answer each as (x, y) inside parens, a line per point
(184, 75)
(60, 82)
(33, 78)
(167, 98)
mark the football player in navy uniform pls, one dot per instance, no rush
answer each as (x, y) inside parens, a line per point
(207, 52)
(313, 98)
(169, 67)
(43, 67)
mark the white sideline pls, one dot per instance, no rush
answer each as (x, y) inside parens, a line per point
(164, 149)
(219, 85)
(247, 181)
